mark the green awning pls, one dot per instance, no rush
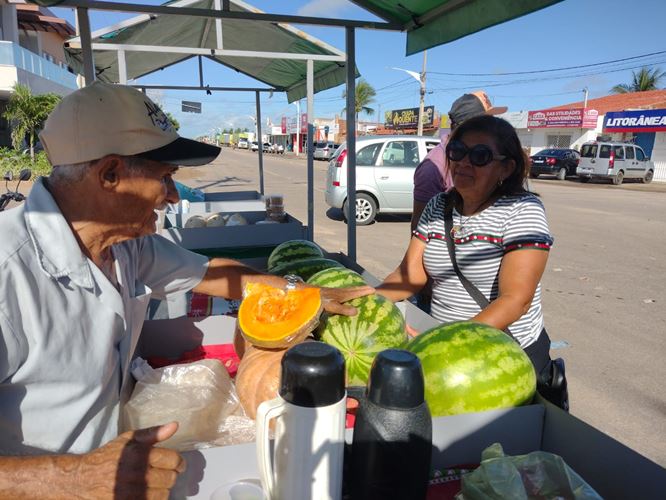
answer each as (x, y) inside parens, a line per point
(198, 32)
(429, 23)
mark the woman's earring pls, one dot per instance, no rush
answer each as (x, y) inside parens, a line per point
(499, 183)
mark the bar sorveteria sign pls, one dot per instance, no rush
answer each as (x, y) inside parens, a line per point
(409, 118)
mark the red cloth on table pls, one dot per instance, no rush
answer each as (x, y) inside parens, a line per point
(225, 353)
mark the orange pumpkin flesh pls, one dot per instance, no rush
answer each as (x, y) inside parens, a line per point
(272, 317)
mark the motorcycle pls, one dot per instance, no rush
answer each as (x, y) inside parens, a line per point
(10, 195)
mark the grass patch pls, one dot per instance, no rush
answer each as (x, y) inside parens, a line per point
(15, 161)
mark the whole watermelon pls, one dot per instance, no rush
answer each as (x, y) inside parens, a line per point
(379, 325)
(471, 367)
(335, 277)
(292, 251)
(304, 268)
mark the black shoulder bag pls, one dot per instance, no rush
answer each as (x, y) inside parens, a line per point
(551, 381)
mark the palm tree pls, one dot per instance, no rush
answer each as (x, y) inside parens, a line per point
(365, 95)
(645, 79)
(27, 113)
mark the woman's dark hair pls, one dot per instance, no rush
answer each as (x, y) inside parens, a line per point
(507, 143)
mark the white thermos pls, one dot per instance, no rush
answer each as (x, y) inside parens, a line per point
(305, 461)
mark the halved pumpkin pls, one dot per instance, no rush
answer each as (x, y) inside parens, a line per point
(272, 317)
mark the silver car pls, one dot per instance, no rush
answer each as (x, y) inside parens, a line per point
(325, 150)
(384, 175)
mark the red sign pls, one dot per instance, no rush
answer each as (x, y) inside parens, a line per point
(304, 123)
(283, 124)
(563, 118)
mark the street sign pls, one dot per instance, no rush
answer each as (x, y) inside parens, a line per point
(191, 107)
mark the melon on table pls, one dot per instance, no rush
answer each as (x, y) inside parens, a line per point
(379, 325)
(335, 277)
(305, 268)
(471, 367)
(292, 251)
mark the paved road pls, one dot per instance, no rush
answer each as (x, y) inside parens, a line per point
(604, 294)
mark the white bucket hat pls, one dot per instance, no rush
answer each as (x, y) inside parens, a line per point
(103, 119)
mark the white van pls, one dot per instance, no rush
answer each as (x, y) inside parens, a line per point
(615, 161)
(384, 174)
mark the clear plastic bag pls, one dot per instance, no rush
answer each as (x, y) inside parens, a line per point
(200, 396)
(537, 475)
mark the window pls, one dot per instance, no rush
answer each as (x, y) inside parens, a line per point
(431, 145)
(589, 151)
(605, 151)
(558, 141)
(401, 153)
(640, 156)
(630, 153)
(619, 152)
(368, 155)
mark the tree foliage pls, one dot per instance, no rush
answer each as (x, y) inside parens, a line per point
(174, 122)
(27, 114)
(365, 95)
(642, 80)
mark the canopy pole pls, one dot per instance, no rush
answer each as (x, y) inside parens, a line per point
(86, 44)
(310, 147)
(201, 79)
(260, 142)
(350, 49)
(218, 25)
(122, 68)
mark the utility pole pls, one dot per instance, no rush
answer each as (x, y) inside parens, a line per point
(419, 129)
(297, 146)
(585, 101)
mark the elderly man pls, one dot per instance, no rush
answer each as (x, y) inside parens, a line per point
(78, 265)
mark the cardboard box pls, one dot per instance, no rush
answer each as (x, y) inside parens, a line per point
(610, 467)
(225, 237)
(232, 201)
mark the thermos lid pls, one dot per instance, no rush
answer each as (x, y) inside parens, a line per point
(396, 380)
(313, 375)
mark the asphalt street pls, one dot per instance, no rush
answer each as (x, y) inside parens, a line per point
(604, 294)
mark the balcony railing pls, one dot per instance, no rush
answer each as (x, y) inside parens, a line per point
(12, 54)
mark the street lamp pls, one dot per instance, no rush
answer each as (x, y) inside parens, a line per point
(419, 77)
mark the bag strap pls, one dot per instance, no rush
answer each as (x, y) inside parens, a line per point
(472, 290)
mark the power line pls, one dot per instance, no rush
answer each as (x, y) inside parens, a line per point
(551, 70)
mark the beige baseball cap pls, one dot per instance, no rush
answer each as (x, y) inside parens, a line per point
(103, 119)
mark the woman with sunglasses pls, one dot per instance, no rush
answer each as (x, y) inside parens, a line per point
(500, 239)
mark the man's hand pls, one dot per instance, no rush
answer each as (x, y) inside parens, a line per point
(131, 467)
(334, 298)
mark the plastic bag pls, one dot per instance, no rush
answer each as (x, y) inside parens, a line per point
(537, 475)
(200, 396)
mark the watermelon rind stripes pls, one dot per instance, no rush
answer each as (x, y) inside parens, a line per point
(379, 325)
(470, 367)
(292, 251)
(304, 268)
(334, 277)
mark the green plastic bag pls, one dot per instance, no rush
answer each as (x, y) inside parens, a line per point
(537, 475)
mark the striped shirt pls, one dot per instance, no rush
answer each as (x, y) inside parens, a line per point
(511, 223)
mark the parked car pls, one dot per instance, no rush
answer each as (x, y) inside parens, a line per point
(554, 161)
(243, 143)
(615, 161)
(277, 149)
(325, 150)
(384, 175)
(266, 147)
(254, 146)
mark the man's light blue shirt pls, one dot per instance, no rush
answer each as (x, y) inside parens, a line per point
(67, 334)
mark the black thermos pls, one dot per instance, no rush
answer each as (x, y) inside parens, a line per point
(392, 445)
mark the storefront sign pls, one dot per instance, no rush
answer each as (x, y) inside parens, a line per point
(283, 124)
(409, 118)
(647, 120)
(304, 123)
(563, 118)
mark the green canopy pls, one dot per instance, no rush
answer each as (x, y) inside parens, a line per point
(429, 23)
(164, 31)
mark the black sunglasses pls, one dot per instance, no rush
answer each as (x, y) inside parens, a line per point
(479, 155)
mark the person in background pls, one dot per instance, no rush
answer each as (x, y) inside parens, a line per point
(431, 176)
(500, 238)
(79, 263)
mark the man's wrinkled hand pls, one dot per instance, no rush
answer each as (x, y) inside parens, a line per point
(334, 298)
(131, 466)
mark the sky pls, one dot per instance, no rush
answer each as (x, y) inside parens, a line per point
(589, 36)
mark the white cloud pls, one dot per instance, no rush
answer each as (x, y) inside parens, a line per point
(325, 8)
